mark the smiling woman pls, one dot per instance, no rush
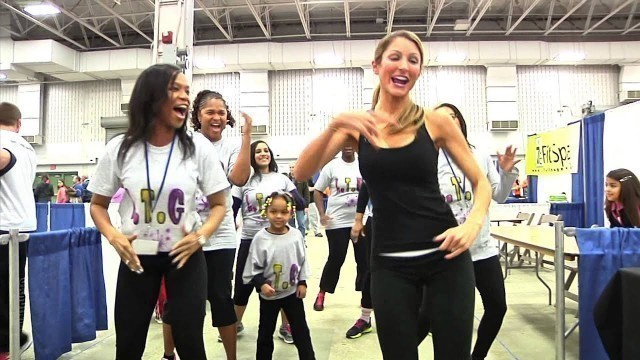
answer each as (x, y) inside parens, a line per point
(159, 199)
(416, 240)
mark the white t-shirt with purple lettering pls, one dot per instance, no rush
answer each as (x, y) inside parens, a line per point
(344, 181)
(253, 195)
(162, 220)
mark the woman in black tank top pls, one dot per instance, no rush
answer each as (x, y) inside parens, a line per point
(416, 241)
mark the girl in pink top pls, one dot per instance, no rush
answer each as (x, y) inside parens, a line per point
(62, 193)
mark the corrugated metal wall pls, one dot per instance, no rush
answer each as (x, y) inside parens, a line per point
(72, 111)
(227, 84)
(9, 94)
(462, 86)
(543, 90)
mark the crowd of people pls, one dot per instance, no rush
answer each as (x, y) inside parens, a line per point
(184, 184)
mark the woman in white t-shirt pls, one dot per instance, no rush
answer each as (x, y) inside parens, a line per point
(210, 116)
(161, 166)
(342, 177)
(264, 181)
(457, 192)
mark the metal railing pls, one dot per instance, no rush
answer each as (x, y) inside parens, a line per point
(561, 334)
(13, 240)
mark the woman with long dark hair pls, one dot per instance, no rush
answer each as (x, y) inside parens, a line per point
(456, 190)
(622, 204)
(264, 181)
(160, 166)
(416, 239)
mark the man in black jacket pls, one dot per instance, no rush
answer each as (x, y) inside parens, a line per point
(44, 191)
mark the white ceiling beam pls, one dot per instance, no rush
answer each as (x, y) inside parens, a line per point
(253, 10)
(613, 12)
(11, 32)
(82, 22)
(480, 15)
(631, 14)
(590, 15)
(303, 19)
(571, 11)
(227, 15)
(123, 20)
(347, 18)
(550, 17)
(631, 29)
(115, 21)
(439, 7)
(214, 20)
(391, 13)
(524, 14)
(41, 24)
(510, 16)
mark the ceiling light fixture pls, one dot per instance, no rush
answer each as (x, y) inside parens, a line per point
(41, 9)
(462, 25)
(570, 56)
(3, 76)
(451, 57)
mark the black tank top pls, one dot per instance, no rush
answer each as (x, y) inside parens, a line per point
(404, 191)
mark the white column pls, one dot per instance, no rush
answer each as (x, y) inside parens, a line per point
(175, 16)
(502, 98)
(254, 99)
(30, 103)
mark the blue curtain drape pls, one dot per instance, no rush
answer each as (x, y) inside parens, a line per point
(591, 190)
(66, 289)
(50, 293)
(602, 253)
(67, 216)
(42, 217)
(572, 213)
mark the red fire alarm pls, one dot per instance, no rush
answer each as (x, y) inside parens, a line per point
(167, 38)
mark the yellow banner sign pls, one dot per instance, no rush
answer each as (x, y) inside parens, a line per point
(554, 152)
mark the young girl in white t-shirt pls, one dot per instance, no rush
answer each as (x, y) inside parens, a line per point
(264, 181)
(161, 166)
(277, 267)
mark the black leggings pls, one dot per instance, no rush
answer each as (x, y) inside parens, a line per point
(339, 240)
(365, 242)
(396, 289)
(136, 296)
(490, 284)
(242, 292)
(294, 309)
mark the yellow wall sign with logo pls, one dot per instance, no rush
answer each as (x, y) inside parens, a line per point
(554, 152)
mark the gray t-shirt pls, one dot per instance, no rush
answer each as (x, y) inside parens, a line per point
(281, 259)
(253, 195)
(344, 180)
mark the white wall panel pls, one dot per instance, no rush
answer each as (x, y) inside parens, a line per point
(73, 110)
(462, 86)
(227, 84)
(9, 94)
(544, 90)
(303, 101)
(335, 91)
(291, 109)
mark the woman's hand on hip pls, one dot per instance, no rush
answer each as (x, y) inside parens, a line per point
(122, 244)
(458, 239)
(183, 249)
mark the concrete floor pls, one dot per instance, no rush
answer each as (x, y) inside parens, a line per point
(527, 332)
